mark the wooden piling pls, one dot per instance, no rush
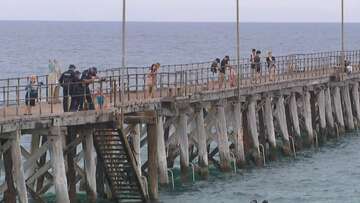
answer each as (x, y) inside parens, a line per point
(356, 101)
(9, 195)
(338, 108)
(202, 142)
(163, 169)
(295, 115)
(349, 120)
(251, 117)
(308, 118)
(239, 136)
(181, 131)
(18, 169)
(58, 165)
(281, 116)
(136, 140)
(89, 164)
(71, 172)
(35, 143)
(222, 139)
(153, 162)
(328, 109)
(322, 114)
(270, 129)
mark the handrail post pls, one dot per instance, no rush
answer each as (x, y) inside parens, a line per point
(39, 100)
(5, 102)
(51, 98)
(17, 101)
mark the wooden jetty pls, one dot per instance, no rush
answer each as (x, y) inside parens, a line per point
(308, 99)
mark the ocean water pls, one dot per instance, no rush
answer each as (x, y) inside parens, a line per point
(330, 175)
(26, 47)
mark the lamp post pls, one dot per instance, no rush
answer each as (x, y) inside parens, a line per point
(342, 36)
(123, 61)
(238, 44)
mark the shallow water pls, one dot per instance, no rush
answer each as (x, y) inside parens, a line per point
(330, 175)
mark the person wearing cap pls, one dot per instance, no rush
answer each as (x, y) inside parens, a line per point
(65, 81)
(88, 77)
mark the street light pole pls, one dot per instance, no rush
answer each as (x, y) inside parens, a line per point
(238, 43)
(342, 36)
(123, 61)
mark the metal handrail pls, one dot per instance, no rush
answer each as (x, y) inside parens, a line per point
(172, 178)
(293, 145)
(263, 153)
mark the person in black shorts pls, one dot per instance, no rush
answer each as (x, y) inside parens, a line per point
(225, 63)
(31, 94)
(88, 77)
(257, 61)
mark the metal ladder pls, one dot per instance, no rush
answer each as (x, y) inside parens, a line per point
(120, 166)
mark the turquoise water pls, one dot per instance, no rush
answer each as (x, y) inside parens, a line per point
(328, 175)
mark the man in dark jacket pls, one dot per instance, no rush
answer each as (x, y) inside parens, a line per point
(77, 93)
(66, 80)
(88, 77)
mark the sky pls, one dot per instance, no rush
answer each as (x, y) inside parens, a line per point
(180, 10)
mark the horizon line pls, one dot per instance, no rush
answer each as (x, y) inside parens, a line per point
(135, 21)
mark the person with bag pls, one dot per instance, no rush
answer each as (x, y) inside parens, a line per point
(31, 94)
(77, 92)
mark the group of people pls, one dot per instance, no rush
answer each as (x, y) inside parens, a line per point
(221, 67)
(255, 61)
(76, 91)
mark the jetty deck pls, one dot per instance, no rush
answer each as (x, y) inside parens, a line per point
(301, 103)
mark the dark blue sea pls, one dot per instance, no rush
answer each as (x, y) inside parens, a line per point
(330, 175)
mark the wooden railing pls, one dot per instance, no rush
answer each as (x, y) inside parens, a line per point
(174, 81)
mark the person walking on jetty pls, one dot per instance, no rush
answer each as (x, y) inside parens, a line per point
(225, 63)
(257, 61)
(252, 64)
(232, 76)
(215, 66)
(270, 60)
(152, 79)
(65, 81)
(88, 77)
(31, 94)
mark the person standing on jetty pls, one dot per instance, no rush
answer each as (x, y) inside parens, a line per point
(270, 60)
(65, 81)
(152, 79)
(257, 61)
(77, 92)
(88, 77)
(31, 94)
(214, 69)
(252, 63)
(225, 63)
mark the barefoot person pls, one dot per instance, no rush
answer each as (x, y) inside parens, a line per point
(151, 80)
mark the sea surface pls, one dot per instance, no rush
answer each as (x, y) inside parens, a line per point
(331, 174)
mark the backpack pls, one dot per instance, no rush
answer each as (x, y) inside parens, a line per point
(214, 67)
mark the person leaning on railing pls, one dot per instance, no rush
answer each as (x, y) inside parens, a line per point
(88, 77)
(31, 94)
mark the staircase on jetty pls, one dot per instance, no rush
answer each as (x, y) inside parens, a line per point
(120, 166)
